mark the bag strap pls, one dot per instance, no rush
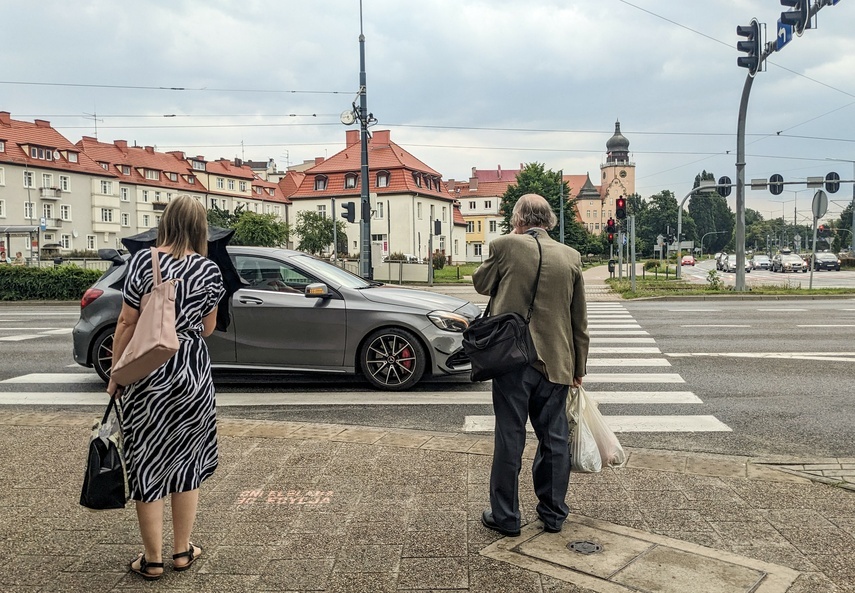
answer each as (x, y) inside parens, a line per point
(537, 278)
(110, 406)
(155, 268)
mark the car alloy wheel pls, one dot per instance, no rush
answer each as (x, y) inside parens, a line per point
(392, 359)
(102, 354)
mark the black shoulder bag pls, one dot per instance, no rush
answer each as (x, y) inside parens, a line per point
(499, 344)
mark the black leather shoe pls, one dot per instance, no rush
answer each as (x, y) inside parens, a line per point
(488, 522)
(547, 527)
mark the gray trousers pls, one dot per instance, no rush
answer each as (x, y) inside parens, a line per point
(518, 396)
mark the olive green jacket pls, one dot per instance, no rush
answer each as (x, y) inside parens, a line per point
(559, 322)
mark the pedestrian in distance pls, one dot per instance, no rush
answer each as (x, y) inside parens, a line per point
(19, 259)
(169, 417)
(4, 259)
(559, 330)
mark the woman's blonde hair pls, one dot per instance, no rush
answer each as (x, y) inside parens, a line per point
(183, 227)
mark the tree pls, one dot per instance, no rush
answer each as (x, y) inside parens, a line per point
(845, 222)
(711, 214)
(655, 215)
(535, 179)
(224, 218)
(316, 232)
(261, 230)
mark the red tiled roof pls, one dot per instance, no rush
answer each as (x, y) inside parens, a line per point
(291, 182)
(265, 187)
(458, 215)
(140, 159)
(486, 189)
(499, 174)
(226, 168)
(383, 156)
(20, 134)
(576, 182)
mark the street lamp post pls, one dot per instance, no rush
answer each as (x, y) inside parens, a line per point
(705, 236)
(852, 238)
(705, 186)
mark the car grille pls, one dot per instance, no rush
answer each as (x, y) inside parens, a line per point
(458, 359)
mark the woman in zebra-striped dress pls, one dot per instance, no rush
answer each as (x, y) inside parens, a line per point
(169, 417)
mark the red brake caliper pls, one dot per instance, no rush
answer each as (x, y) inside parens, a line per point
(406, 353)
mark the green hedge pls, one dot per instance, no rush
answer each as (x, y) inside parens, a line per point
(64, 283)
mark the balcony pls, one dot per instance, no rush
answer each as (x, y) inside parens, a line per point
(53, 224)
(158, 206)
(50, 193)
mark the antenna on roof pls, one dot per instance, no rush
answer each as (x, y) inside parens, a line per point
(94, 117)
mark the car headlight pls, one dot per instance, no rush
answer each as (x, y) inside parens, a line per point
(451, 322)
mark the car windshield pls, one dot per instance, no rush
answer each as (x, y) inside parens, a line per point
(826, 256)
(331, 274)
(792, 259)
(761, 259)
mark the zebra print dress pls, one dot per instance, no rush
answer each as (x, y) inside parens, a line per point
(170, 419)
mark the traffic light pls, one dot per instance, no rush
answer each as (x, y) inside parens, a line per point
(620, 208)
(752, 46)
(832, 182)
(349, 213)
(611, 237)
(437, 227)
(670, 238)
(724, 188)
(776, 184)
(610, 225)
(799, 15)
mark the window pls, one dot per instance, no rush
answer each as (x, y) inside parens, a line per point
(472, 205)
(29, 179)
(152, 174)
(479, 226)
(2, 176)
(320, 182)
(157, 221)
(43, 154)
(47, 180)
(106, 215)
(488, 204)
(221, 183)
(322, 210)
(199, 165)
(379, 209)
(591, 203)
(65, 241)
(146, 219)
(268, 274)
(48, 236)
(455, 246)
(126, 170)
(432, 212)
(270, 191)
(157, 196)
(191, 180)
(442, 243)
(2, 208)
(231, 184)
(65, 212)
(477, 247)
(126, 219)
(90, 242)
(596, 226)
(470, 227)
(2, 146)
(417, 179)
(595, 213)
(350, 180)
(610, 213)
(65, 183)
(105, 166)
(172, 176)
(429, 182)
(419, 210)
(47, 210)
(242, 186)
(383, 179)
(276, 210)
(145, 196)
(493, 225)
(29, 210)
(72, 157)
(443, 213)
(106, 187)
(587, 214)
(126, 196)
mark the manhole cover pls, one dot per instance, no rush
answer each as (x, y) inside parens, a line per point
(585, 547)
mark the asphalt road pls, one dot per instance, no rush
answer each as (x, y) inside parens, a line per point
(821, 279)
(774, 374)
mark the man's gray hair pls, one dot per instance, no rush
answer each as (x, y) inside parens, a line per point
(532, 210)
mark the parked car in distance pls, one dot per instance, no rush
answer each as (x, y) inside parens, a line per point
(688, 260)
(826, 261)
(300, 314)
(788, 262)
(729, 264)
(760, 262)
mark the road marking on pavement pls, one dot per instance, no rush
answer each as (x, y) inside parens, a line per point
(27, 329)
(715, 325)
(627, 350)
(617, 332)
(55, 378)
(619, 316)
(625, 424)
(19, 338)
(827, 325)
(634, 378)
(783, 310)
(645, 397)
(63, 330)
(628, 362)
(826, 356)
(694, 310)
(623, 341)
(601, 325)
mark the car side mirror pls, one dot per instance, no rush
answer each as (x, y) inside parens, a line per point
(318, 290)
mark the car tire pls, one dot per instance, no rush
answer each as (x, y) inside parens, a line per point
(392, 359)
(102, 353)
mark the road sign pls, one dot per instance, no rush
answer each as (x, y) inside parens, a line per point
(785, 35)
(776, 184)
(43, 223)
(820, 204)
(624, 239)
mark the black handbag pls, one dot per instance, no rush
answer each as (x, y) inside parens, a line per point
(499, 344)
(105, 484)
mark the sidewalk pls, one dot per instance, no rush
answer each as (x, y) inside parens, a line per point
(319, 507)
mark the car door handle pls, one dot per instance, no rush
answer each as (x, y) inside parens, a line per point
(248, 300)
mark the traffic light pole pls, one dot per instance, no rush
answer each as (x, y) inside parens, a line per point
(365, 267)
(740, 181)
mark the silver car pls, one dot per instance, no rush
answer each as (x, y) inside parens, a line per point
(301, 314)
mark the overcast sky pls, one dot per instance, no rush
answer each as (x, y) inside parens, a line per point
(460, 83)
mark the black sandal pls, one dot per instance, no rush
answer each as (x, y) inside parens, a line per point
(189, 554)
(144, 566)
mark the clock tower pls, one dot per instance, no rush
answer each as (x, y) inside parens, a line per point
(618, 173)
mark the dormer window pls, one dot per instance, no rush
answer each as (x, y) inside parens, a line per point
(383, 179)
(172, 176)
(417, 178)
(350, 180)
(270, 191)
(105, 166)
(2, 146)
(126, 170)
(72, 157)
(152, 174)
(320, 182)
(191, 180)
(199, 165)
(43, 154)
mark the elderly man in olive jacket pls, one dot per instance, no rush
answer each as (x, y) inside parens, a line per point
(559, 330)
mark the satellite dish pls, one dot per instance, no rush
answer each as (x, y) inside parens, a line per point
(56, 155)
(75, 234)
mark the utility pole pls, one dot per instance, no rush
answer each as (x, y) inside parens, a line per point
(365, 268)
(561, 205)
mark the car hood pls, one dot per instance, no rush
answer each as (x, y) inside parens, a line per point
(421, 299)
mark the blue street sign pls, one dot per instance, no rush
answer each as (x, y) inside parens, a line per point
(624, 239)
(43, 223)
(785, 35)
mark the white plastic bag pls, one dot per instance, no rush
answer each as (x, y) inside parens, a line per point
(584, 453)
(611, 453)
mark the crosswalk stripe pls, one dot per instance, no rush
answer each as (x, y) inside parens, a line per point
(628, 362)
(598, 340)
(20, 338)
(623, 424)
(616, 316)
(644, 397)
(56, 378)
(634, 378)
(613, 326)
(617, 332)
(623, 350)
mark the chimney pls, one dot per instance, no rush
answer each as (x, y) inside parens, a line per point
(5, 118)
(320, 159)
(238, 162)
(351, 137)
(473, 181)
(499, 171)
(149, 149)
(121, 145)
(42, 123)
(380, 139)
(177, 154)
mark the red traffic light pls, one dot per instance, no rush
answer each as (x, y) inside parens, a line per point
(620, 207)
(611, 237)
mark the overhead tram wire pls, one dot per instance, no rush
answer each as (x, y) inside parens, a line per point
(169, 88)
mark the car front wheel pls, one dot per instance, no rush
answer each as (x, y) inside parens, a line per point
(102, 354)
(392, 359)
